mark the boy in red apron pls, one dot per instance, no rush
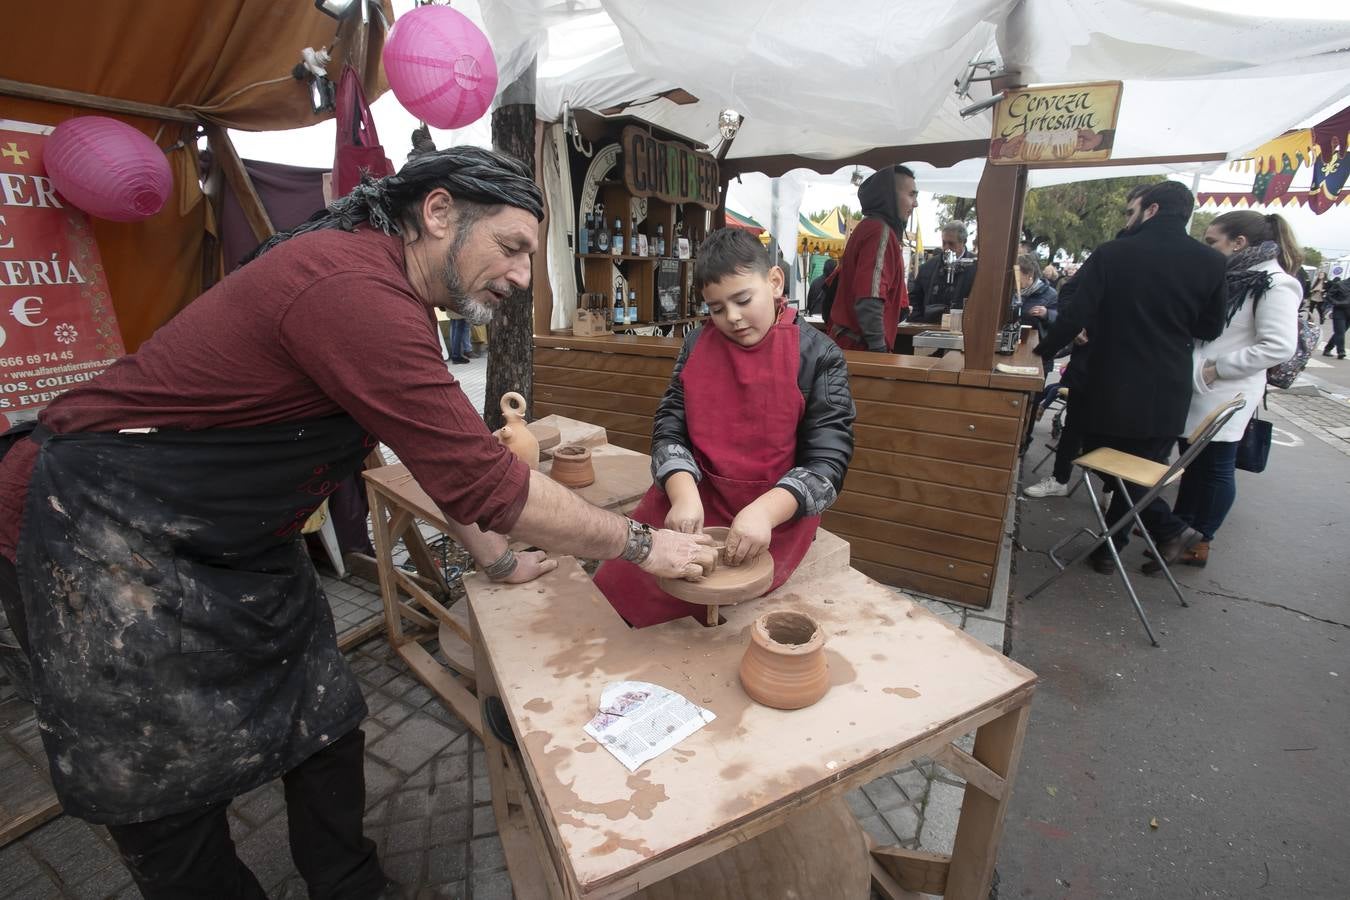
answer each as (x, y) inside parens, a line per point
(755, 431)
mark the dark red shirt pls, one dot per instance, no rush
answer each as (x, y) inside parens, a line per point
(325, 323)
(873, 266)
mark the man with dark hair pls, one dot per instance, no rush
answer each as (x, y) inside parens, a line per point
(1144, 299)
(944, 280)
(870, 296)
(183, 652)
(815, 296)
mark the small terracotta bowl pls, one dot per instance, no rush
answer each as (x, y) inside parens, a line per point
(784, 666)
(572, 466)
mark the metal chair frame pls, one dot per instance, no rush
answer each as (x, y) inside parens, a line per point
(1199, 439)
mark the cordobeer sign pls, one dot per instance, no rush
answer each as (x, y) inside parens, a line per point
(1069, 122)
(668, 170)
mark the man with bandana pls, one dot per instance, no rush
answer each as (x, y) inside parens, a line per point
(182, 649)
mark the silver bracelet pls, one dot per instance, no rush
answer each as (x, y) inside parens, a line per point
(503, 567)
(638, 546)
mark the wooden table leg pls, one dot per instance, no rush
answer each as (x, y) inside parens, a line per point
(534, 874)
(998, 746)
(384, 558)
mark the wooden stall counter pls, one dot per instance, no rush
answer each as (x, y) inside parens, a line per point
(576, 823)
(927, 493)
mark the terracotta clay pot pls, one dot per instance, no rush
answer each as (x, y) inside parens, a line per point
(784, 666)
(572, 466)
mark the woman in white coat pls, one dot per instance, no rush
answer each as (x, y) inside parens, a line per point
(1262, 331)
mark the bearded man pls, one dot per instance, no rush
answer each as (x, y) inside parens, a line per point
(182, 650)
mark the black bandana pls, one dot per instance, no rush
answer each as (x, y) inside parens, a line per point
(468, 173)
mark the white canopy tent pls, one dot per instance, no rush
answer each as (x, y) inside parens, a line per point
(828, 82)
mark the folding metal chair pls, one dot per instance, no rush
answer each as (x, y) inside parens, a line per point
(1145, 473)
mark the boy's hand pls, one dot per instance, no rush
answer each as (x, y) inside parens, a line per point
(751, 531)
(686, 515)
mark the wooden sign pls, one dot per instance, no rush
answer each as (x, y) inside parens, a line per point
(1058, 124)
(668, 170)
(58, 329)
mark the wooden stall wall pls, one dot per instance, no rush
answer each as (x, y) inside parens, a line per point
(924, 502)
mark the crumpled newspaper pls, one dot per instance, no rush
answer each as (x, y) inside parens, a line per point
(639, 721)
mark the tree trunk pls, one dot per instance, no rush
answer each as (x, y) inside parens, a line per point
(511, 334)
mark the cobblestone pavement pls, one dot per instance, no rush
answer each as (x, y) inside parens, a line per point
(1321, 412)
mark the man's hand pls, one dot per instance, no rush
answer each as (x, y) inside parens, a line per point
(1081, 338)
(1037, 311)
(751, 531)
(530, 564)
(676, 555)
(1210, 372)
(686, 515)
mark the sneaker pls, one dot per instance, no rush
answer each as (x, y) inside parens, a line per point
(1047, 487)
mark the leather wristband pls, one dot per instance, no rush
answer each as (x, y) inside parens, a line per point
(639, 544)
(502, 567)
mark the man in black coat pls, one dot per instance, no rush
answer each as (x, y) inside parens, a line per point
(943, 285)
(1144, 298)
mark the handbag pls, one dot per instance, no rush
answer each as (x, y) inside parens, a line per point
(1253, 450)
(358, 146)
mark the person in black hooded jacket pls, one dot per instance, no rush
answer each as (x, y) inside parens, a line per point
(870, 295)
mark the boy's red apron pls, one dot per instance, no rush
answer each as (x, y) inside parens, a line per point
(742, 409)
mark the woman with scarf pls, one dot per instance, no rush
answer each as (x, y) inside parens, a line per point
(1261, 331)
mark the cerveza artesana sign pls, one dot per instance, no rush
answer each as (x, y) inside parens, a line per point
(1056, 124)
(669, 171)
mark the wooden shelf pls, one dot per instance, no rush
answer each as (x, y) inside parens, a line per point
(619, 329)
(628, 258)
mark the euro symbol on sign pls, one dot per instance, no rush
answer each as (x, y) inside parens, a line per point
(23, 311)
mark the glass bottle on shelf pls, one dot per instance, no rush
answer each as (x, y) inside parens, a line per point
(600, 233)
(660, 249)
(584, 236)
(616, 239)
(632, 307)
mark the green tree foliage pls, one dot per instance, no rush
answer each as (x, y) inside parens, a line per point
(1200, 222)
(848, 212)
(1312, 257)
(955, 209)
(1077, 217)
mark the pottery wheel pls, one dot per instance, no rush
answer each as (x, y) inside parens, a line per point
(727, 585)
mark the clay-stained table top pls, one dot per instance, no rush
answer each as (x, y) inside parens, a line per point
(899, 675)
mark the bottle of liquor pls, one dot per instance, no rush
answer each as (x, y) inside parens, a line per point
(600, 236)
(618, 317)
(632, 237)
(584, 238)
(660, 240)
(632, 307)
(616, 239)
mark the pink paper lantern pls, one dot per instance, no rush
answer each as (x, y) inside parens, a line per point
(440, 66)
(107, 168)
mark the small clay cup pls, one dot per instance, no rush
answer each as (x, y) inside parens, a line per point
(784, 666)
(572, 466)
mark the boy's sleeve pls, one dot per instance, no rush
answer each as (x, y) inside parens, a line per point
(670, 435)
(825, 436)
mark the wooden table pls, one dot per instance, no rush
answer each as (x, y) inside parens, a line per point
(905, 684)
(398, 503)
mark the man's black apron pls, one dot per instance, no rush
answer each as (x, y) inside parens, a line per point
(183, 651)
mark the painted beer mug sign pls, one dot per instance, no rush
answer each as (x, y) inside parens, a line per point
(1055, 125)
